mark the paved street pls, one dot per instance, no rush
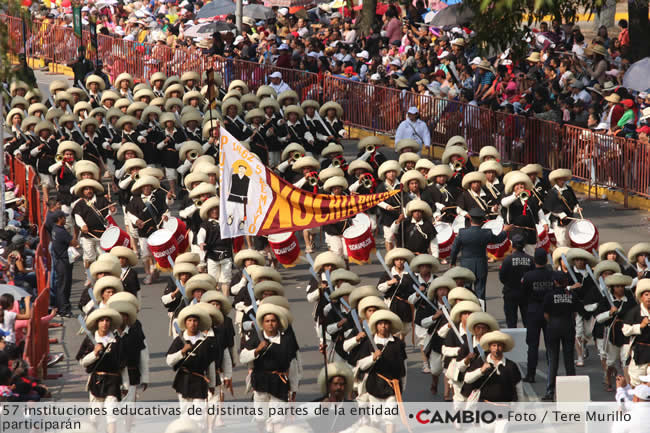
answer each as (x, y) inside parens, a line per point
(626, 227)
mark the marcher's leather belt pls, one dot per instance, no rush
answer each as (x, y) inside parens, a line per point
(194, 373)
(281, 374)
(107, 373)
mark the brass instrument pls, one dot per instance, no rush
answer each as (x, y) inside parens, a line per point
(458, 165)
(312, 180)
(524, 195)
(366, 181)
(198, 202)
(336, 163)
(370, 148)
(192, 155)
(295, 156)
(135, 176)
(59, 157)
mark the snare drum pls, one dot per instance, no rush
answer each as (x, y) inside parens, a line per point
(497, 251)
(358, 239)
(285, 247)
(445, 236)
(178, 227)
(543, 240)
(583, 234)
(163, 247)
(114, 237)
(459, 223)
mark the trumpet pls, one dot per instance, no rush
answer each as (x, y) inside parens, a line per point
(192, 155)
(295, 156)
(370, 148)
(312, 180)
(336, 163)
(524, 195)
(198, 202)
(458, 165)
(135, 176)
(59, 157)
(366, 180)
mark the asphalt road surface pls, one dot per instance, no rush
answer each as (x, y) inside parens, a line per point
(625, 226)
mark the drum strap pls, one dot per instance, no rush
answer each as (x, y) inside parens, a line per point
(479, 201)
(561, 197)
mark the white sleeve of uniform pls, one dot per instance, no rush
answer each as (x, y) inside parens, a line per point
(383, 205)
(125, 378)
(79, 220)
(350, 344)
(282, 167)
(88, 359)
(54, 167)
(313, 296)
(433, 246)
(473, 376)
(450, 351)
(246, 356)
(602, 317)
(443, 331)
(367, 362)
(542, 217)
(237, 287)
(294, 375)
(355, 186)
(394, 227)
(226, 363)
(413, 297)
(508, 200)
(174, 358)
(161, 145)
(332, 328)
(144, 364)
(134, 219)
(125, 183)
(167, 299)
(624, 393)
(383, 287)
(519, 388)
(629, 330)
(187, 212)
(300, 183)
(427, 322)
(35, 151)
(212, 374)
(200, 236)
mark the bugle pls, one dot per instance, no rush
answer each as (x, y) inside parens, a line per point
(366, 180)
(336, 163)
(59, 157)
(198, 202)
(312, 180)
(192, 155)
(370, 148)
(524, 195)
(458, 165)
(295, 156)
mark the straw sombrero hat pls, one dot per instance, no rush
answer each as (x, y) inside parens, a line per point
(93, 318)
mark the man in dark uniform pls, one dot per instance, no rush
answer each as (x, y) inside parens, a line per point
(101, 74)
(24, 73)
(510, 274)
(81, 67)
(560, 308)
(473, 241)
(535, 285)
(61, 240)
(238, 196)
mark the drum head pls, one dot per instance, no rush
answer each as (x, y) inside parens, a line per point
(582, 231)
(171, 224)
(540, 229)
(445, 232)
(495, 225)
(160, 237)
(109, 237)
(279, 237)
(459, 223)
(360, 224)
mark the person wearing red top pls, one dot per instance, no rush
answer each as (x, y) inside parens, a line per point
(624, 36)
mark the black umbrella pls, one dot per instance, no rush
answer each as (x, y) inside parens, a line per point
(216, 8)
(453, 15)
(258, 12)
(204, 30)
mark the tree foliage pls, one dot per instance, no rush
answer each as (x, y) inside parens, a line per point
(505, 24)
(12, 8)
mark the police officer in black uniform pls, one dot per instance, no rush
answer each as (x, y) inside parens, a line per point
(560, 308)
(473, 241)
(61, 240)
(510, 274)
(535, 285)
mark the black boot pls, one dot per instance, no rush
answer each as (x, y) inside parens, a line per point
(530, 377)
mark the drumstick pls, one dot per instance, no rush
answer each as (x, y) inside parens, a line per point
(92, 235)
(580, 212)
(527, 228)
(106, 207)
(173, 195)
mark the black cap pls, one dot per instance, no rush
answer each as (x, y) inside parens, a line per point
(540, 256)
(559, 278)
(477, 213)
(518, 241)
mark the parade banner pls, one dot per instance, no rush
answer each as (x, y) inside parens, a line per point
(76, 19)
(256, 201)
